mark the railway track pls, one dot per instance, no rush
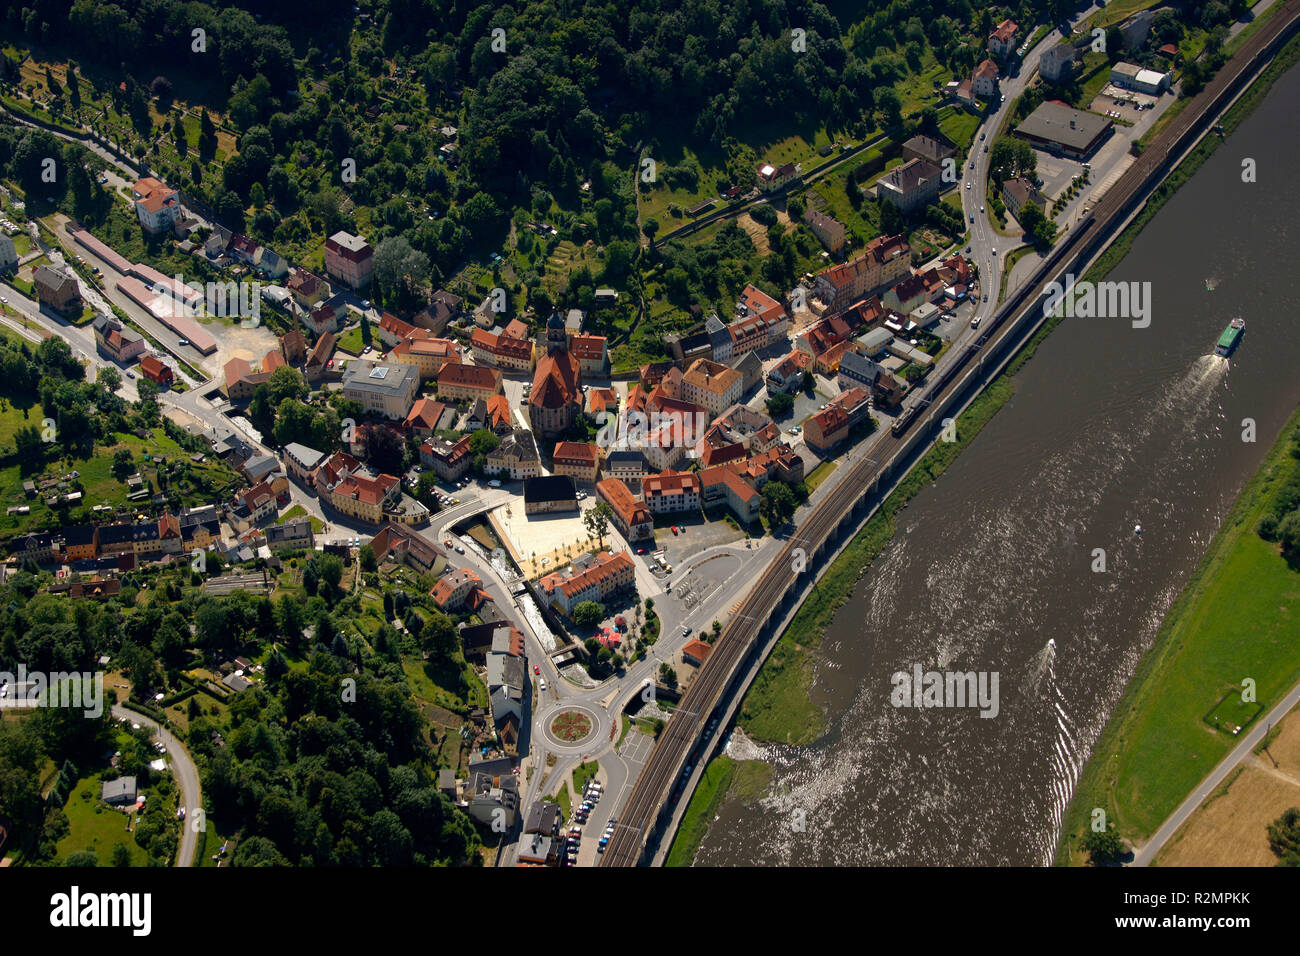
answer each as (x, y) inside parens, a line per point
(654, 788)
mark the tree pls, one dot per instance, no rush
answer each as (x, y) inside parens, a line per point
(120, 856)
(588, 613)
(1288, 532)
(82, 859)
(1103, 847)
(367, 558)
(123, 463)
(438, 636)
(109, 377)
(779, 405)
(1284, 837)
(668, 675)
(596, 520)
(778, 503)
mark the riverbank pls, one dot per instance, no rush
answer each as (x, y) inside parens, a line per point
(1235, 619)
(777, 707)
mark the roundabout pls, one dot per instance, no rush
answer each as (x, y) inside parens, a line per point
(569, 728)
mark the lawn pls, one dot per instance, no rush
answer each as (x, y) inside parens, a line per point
(298, 511)
(351, 341)
(95, 826)
(1235, 619)
(819, 474)
(708, 796)
(582, 774)
(958, 125)
(97, 483)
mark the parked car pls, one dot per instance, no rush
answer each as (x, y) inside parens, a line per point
(495, 483)
(182, 342)
(975, 322)
(674, 530)
(542, 683)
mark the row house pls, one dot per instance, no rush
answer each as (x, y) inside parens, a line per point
(885, 260)
(449, 460)
(516, 456)
(423, 418)
(300, 461)
(721, 486)
(760, 321)
(579, 460)
(492, 348)
(592, 353)
(787, 374)
(671, 491)
(858, 370)
(632, 518)
(200, 528)
(713, 386)
(467, 383)
(118, 343)
(427, 355)
(453, 588)
(609, 574)
(627, 465)
(294, 535)
(778, 463)
(833, 424)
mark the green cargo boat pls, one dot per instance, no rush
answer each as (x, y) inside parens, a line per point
(1231, 337)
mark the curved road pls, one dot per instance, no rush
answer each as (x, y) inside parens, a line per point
(187, 775)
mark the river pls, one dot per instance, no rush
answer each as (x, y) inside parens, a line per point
(1111, 426)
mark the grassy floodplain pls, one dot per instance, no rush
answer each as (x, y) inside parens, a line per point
(1236, 618)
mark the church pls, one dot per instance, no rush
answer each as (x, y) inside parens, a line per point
(556, 397)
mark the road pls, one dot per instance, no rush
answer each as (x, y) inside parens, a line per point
(1151, 849)
(187, 776)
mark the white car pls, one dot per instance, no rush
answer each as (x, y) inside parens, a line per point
(968, 184)
(542, 683)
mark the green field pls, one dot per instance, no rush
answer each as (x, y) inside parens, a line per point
(708, 796)
(1234, 620)
(93, 825)
(819, 474)
(97, 482)
(351, 341)
(583, 774)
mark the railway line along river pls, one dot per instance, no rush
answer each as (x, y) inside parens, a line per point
(991, 570)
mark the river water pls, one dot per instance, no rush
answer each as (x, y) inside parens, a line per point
(1111, 426)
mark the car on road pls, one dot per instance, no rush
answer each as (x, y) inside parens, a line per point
(674, 529)
(975, 322)
(686, 630)
(4, 300)
(495, 483)
(968, 250)
(972, 219)
(981, 208)
(640, 550)
(986, 149)
(460, 549)
(536, 669)
(542, 683)
(986, 296)
(968, 184)
(995, 252)
(182, 342)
